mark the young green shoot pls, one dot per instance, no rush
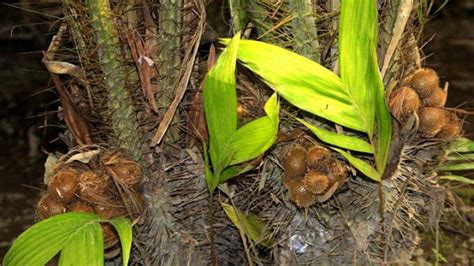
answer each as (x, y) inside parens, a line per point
(230, 146)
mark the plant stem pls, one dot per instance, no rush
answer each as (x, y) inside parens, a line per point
(169, 56)
(124, 121)
(239, 14)
(211, 228)
(305, 33)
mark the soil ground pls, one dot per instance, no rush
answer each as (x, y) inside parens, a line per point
(28, 105)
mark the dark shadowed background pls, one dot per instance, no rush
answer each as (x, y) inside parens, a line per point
(29, 123)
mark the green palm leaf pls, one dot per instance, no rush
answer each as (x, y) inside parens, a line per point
(86, 248)
(360, 71)
(339, 140)
(249, 225)
(361, 165)
(220, 101)
(302, 82)
(123, 227)
(229, 145)
(42, 241)
(78, 235)
(254, 138)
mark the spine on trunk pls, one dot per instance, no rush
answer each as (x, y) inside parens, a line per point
(124, 120)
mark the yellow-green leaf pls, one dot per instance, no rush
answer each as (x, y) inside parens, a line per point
(458, 178)
(212, 181)
(357, 40)
(123, 226)
(339, 140)
(457, 167)
(302, 82)
(249, 225)
(358, 36)
(233, 171)
(254, 138)
(461, 145)
(361, 165)
(220, 101)
(461, 157)
(85, 248)
(42, 241)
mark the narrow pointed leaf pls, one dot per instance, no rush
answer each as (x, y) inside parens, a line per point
(461, 145)
(384, 126)
(42, 241)
(123, 226)
(461, 157)
(233, 171)
(357, 40)
(254, 138)
(358, 36)
(272, 109)
(211, 180)
(458, 178)
(85, 248)
(220, 100)
(339, 140)
(457, 167)
(249, 225)
(361, 165)
(302, 82)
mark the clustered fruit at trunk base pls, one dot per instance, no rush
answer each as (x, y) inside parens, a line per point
(312, 175)
(419, 93)
(107, 185)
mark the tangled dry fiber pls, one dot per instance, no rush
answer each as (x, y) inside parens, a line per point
(129, 74)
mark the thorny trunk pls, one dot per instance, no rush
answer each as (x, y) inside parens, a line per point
(143, 63)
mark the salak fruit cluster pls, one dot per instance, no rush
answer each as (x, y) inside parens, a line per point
(420, 93)
(312, 175)
(106, 185)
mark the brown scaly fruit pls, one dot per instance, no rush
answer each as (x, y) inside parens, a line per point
(294, 163)
(49, 206)
(288, 181)
(337, 172)
(424, 81)
(432, 120)
(64, 184)
(127, 172)
(93, 186)
(452, 128)
(80, 206)
(315, 182)
(317, 157)
(300, 195)
(436, 99)
(403, 103)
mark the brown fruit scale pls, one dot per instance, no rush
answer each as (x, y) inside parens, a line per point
(424, 81)
(63, 185)
(403, 103)
(300, 195)
(49, 206)
(315, 182)
(80, 207)
(452, 128)
(432, 120)
(295, 162)
(436, 99)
